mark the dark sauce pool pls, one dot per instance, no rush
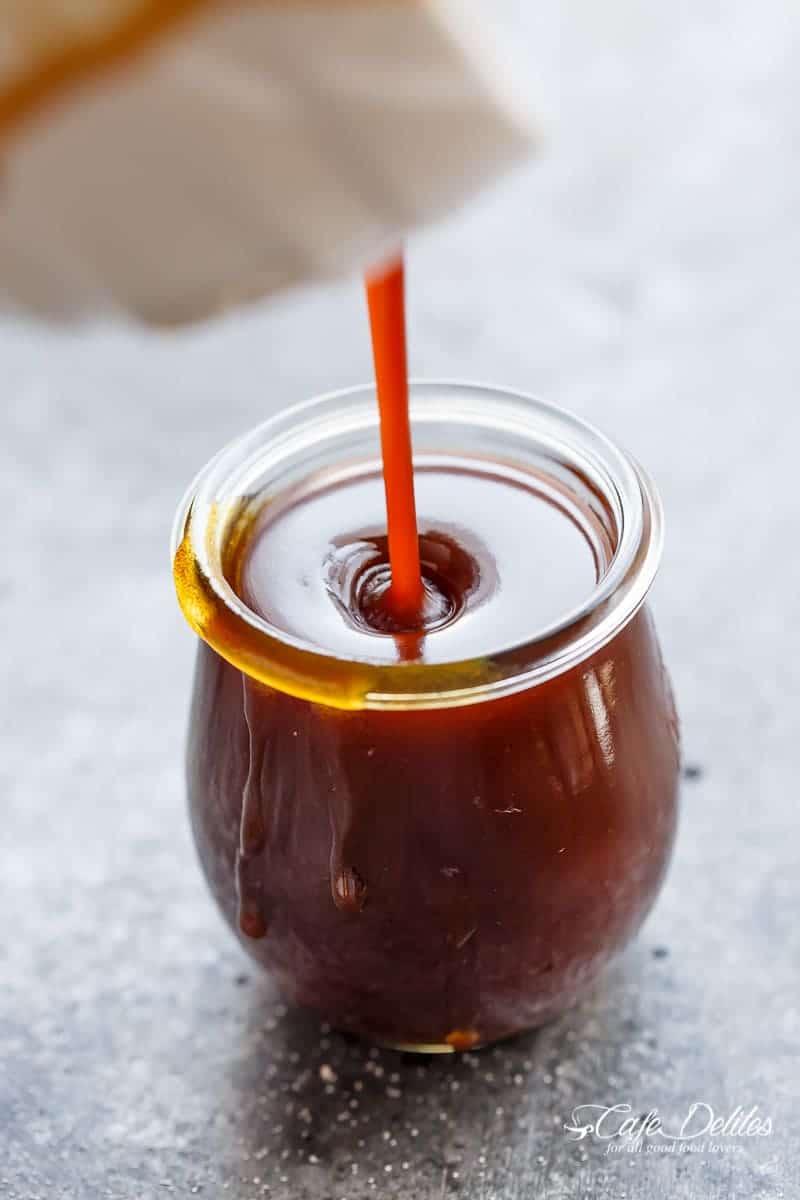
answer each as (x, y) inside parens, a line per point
(433, 877)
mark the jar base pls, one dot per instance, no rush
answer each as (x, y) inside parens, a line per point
(415, 1047)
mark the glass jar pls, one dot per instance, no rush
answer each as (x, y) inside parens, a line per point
(432, 855)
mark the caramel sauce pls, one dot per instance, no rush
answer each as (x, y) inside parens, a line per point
(431, 877)
(443, 877)
(404, 597)
(319, 569)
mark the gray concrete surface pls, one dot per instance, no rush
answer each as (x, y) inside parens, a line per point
(645, 274)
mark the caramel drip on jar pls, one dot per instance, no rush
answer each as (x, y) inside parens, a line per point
(252, 831)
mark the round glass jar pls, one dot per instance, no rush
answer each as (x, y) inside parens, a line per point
(431, 854)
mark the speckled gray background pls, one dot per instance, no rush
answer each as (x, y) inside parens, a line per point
(644, 273)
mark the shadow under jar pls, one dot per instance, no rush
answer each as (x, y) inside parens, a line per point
(434, 840)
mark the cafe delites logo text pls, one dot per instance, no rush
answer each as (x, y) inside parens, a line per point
(701, 1129)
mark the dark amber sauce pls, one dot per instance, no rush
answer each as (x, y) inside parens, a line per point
(435, 877)
(294, 568)
(443, 876)
(503, 557)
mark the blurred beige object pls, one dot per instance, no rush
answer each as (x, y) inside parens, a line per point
(169, 159)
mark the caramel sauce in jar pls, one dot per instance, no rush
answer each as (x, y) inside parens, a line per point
(435, 836)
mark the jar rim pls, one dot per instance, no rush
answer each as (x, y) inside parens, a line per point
(287, 663)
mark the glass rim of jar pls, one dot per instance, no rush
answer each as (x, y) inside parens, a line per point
(571, 448)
